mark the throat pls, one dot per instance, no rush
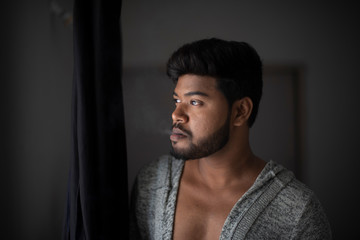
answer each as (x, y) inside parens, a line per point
(221, 174)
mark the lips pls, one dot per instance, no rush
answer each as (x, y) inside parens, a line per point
(177, 134)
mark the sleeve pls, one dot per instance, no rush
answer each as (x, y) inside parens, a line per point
(312, 224)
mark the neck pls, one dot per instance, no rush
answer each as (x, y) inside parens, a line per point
(229, 166)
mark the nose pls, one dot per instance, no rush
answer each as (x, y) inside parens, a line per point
(179, 115)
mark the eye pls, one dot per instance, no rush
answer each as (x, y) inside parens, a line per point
(195, 102)
(176, 100)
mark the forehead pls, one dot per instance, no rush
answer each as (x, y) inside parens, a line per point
(190, 83)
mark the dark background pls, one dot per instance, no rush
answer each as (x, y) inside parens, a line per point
(36, 65)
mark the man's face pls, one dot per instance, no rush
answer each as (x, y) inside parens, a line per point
(200, 119)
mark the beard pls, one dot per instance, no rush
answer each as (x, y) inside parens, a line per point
(205, 146)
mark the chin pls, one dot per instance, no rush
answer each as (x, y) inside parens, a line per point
(179, 154)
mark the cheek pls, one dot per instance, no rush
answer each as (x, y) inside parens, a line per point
(208, 123)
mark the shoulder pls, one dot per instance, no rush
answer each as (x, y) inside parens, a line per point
(293, 192)
(294, 196)
(296, 193)
(158, 173)
(297, 208)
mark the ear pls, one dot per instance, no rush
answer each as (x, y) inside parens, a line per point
(241, 110)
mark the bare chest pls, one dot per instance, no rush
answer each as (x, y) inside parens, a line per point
(201, 216)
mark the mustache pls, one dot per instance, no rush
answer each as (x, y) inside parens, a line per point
(181, 127)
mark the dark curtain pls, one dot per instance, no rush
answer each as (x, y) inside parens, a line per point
(97, 205)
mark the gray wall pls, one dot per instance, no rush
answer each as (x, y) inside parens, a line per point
(35, 93)
(36, 78)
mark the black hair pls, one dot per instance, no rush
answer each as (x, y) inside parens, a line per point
(236, 66)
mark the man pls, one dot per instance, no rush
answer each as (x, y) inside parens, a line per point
(213, 186)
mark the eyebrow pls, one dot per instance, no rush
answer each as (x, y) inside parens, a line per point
(193, 93)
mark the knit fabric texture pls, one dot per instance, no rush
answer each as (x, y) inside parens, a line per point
(277, 206)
